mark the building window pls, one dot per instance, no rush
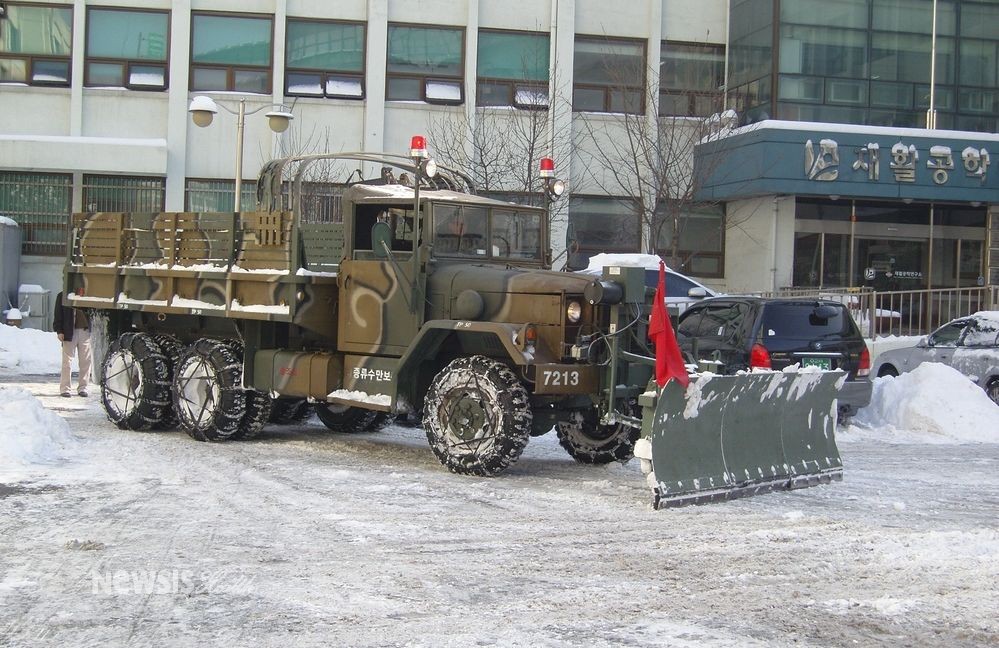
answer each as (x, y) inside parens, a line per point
(201, 195)
(324, 59)
(231, 53)
(691, 78)
(701, 245)
(601, 224)
(114, 193)
(127, 49)
(425, 64)
(41, 204)
(608, 75)
(512, 69)
(36, 43)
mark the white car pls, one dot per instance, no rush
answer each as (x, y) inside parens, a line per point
(681, 290)
(969, 344)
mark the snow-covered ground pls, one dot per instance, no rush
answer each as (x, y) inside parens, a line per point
(307, 538)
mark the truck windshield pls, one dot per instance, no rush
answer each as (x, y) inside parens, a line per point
(486, 232)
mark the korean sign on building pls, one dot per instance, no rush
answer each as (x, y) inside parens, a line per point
(860, 162)
(822, 162)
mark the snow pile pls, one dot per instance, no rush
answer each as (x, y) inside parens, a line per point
(29, 351)
(933, 403)
(31, 434)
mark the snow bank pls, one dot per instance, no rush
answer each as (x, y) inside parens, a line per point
(933, 403)
(29, 351)
(31, 434)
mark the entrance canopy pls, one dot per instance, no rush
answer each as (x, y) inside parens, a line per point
(834, 160)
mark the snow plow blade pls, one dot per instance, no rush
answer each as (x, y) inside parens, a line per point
(737, 436)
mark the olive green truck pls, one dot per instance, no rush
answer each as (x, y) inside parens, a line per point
(421, 299)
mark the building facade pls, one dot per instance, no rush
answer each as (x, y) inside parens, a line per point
(97, 96)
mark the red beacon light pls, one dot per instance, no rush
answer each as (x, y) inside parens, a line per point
(418, 147)
(547, 168)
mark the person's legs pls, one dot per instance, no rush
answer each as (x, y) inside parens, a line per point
(68, 349)
(83, 352)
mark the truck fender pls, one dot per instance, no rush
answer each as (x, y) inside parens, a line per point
(434, 333)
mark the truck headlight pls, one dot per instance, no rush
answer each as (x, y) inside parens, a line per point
(574, 311)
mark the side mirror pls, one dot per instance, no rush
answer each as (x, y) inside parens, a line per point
(381, 239)
(697, 293)
(923, 343)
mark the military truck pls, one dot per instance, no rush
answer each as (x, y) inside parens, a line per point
(425, 299)
(421, 299)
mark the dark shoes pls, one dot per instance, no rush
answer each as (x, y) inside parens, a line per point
(82, 392)
(66, 394)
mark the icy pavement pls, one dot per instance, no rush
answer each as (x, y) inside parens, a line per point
(307, 538)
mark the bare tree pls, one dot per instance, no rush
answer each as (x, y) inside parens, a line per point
(500, 148)
(649, 158)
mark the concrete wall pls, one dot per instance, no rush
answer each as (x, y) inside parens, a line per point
(759, 244)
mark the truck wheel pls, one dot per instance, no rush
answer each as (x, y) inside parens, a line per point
(303, 412)
(206, 391)
(258, 411)
(287, 410)
(258, 404)
(588, 442)
(382, 421)
(172, 349)
(477, 416)
(135, 382)
(341, 418)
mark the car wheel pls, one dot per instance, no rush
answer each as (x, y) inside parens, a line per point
(887, 370)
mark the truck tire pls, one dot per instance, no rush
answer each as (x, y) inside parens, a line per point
(588, 442)
(289, 410)
(258, 404)
(135, 382)
(341, 418)
(206, 391)
(303, 412)
(382, 421)
(172, 350)
(258, 411)
(477, 416)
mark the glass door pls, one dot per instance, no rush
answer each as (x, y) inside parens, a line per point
(891, 264)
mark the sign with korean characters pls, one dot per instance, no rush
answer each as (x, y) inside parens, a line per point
(902, 161)
(860, 162)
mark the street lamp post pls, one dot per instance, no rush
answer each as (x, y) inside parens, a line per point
(203, 110)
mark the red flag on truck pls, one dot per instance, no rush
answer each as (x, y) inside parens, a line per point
(669, 360)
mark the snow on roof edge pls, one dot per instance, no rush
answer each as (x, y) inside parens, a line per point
(823, 127)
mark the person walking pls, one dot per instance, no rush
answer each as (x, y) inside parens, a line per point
(73, 329)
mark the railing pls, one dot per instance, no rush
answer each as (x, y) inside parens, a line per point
(903, 312)
(918, 312)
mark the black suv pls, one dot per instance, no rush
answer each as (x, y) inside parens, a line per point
(741, 333)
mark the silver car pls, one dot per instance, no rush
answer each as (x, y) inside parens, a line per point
(969, 344)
